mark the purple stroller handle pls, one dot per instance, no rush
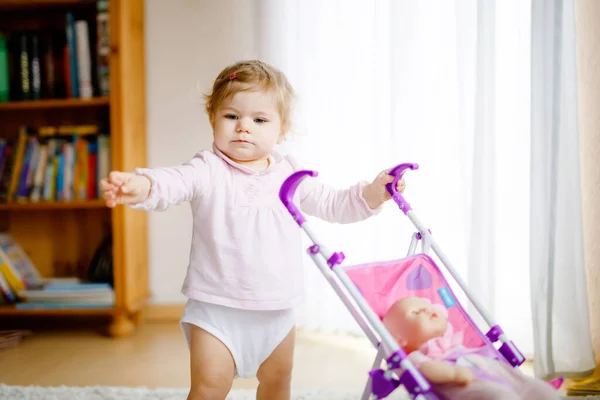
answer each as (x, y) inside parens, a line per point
(288, 188)
(397, 172)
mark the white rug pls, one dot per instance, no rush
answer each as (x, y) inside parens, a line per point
(120, 393)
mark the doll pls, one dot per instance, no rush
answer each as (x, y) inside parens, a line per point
(455, 372)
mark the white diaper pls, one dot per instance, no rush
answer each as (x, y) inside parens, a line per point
(251, 336)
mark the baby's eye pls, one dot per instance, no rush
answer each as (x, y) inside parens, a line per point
(230, 116)
(260, 120)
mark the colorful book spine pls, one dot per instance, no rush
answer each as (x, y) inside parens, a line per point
(36, 73)
(25, 71)
(4, 70)
(72, 53)
(5, 291)
(84, 60)
(103, 47)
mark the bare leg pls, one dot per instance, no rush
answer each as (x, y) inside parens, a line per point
(211, 366)
(275, 373)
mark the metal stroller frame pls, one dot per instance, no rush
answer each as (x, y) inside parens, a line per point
(383, 381)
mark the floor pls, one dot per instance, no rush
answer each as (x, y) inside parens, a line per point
(157, 356)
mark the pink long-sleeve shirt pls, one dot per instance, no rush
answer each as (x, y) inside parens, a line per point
(246, 249)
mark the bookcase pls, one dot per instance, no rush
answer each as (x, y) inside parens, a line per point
(59, 218)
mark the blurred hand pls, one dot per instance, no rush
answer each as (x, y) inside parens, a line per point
(124, 188)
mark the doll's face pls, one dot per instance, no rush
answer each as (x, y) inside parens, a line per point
(413, 321)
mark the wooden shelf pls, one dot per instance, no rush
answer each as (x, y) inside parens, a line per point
(64, 236)
(54, 205)
(54, 103)
(11, 310)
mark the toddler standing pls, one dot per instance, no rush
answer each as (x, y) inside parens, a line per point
(244, 277)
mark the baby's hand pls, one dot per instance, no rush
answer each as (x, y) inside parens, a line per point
(375, 193)
(463, 375)
(124, 188)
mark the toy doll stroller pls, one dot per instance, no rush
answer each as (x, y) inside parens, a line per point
(368, 290)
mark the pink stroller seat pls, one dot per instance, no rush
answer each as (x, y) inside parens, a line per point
(382, 284)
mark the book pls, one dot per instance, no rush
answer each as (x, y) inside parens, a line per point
(7, 295)
(103, 47)
(24, 67)
(16, 267)
(59, 60)
(35, 68)
(84, 61)
(54, 163)
(60, 293)
(4, 70)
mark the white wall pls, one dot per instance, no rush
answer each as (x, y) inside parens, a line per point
(187, 43)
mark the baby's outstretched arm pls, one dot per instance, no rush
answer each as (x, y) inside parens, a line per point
(443, 372)
(157, 188)
(344, 206)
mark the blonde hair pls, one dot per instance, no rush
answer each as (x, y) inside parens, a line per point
(251, 75)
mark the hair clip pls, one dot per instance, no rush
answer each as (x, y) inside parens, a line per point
(232, 76)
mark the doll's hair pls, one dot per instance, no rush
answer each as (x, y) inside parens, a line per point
(252, 75)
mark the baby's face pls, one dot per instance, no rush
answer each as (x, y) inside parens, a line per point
(247, 126)
(413, 321)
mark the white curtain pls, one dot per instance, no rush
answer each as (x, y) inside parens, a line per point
(562, 338)
(441, 83)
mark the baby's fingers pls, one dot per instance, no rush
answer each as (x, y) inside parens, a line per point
(109, 194)
(117, 178)
(106, 185)
(129, 188)
(384, 177)
(401, 185)
(110, 198)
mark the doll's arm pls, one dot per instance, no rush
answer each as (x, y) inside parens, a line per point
(443, 372)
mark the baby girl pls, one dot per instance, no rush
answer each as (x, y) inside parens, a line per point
(455, 372)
